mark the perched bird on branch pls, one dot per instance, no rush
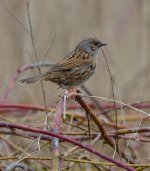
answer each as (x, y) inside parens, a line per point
(75, 68)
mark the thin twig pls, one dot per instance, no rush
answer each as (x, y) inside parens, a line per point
(19, 71)
(100, 125)
(81, 145)
(97, 121)
(16, 19)
(35, 52)
(56, 129)
(98, 105)
(86, 161)
(49, 48)
(113, 96)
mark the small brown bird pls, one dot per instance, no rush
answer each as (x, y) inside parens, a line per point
(75, 68)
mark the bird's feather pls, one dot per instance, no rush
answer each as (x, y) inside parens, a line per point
(72, 62)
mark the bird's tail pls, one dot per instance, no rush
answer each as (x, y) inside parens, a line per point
(33, 79)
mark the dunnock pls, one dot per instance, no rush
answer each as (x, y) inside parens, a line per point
(75, 68)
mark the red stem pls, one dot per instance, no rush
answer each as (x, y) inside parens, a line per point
(81, 145)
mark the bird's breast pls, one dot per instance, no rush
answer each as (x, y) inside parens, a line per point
(72, 77)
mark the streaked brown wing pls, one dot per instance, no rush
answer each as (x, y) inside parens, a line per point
(72, 62)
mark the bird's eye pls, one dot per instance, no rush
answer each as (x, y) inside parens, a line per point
(92, 46)
(96, 43)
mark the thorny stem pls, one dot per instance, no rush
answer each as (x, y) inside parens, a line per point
(97, 121)
(99, 124)
(19, 71)
(81, 145)
(56, 129)
(97, 104)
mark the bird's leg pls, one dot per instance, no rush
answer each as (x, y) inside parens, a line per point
(69, 94)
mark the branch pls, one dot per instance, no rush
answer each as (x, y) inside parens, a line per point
(15, 77)
(81, 145)
(56, 129)
(99, 124)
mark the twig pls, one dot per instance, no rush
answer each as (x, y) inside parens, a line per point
(97, 121)
(19, 71)
(99, 124)
(81, 145)
(77, 161)
(98, 105)
(79, 135)
(56, 129)
(124, 104)
(113, 95)
(23, 107)
(49, 48)
(16, 19)
(35, 52)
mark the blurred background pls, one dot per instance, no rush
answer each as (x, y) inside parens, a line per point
(123, 25)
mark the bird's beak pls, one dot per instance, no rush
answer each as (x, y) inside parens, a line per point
(102, 44)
